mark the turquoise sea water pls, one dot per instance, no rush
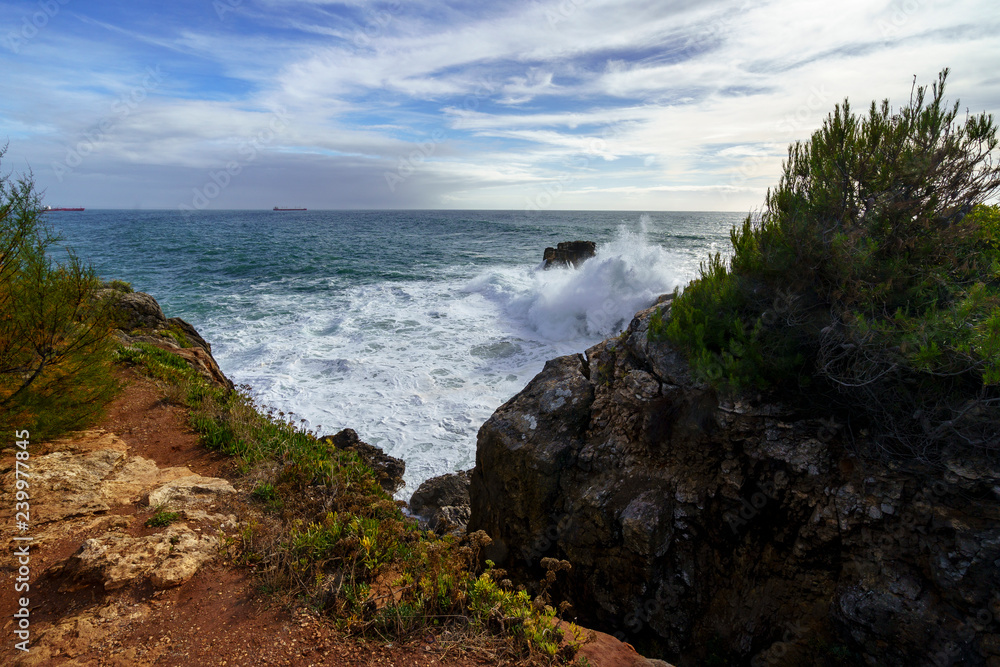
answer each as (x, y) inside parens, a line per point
(410, 327)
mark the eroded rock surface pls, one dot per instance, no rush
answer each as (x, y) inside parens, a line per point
(140, 319)
(569, 253)
(740, 532)
(80, 483)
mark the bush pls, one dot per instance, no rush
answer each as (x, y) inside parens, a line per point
(55, 335)
(871, 279)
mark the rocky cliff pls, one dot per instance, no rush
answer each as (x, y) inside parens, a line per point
(739, 531)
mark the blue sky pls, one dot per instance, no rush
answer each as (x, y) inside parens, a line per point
(527, 104)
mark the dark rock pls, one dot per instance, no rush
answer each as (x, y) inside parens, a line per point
(389, 469)
(692, 522)
(568, 253)
(443, 502)
(140, 319)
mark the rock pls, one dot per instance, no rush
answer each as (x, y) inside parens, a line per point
(692, 522)
(389, 469)
(170, 558)
(569, 253)
(78, 482)
(190, 491)
(141, 319)
(135, 310)
(443, 501)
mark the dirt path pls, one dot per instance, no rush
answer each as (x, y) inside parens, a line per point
(217, 617)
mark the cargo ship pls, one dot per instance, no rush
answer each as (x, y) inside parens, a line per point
(49, 209)
(276, 208)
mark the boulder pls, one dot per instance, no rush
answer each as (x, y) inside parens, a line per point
(135, 310)
(389, 469)
(569, 253)
(190, 492)
(451, 489)
(169, 558)
(737, 531)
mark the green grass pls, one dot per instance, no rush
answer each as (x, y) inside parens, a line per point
(161, 518)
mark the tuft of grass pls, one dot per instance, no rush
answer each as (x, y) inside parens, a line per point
(161, 518)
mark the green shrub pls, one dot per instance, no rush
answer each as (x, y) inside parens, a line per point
(55, 334)
(870, 279)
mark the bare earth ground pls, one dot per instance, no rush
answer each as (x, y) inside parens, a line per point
(216, 618)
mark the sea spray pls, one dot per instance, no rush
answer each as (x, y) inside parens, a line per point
(410, 327)
(595, 299)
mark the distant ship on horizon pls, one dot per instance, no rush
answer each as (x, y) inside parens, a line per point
(278, 208)
(49, 209)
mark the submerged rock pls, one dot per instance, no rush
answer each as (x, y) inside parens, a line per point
(569, 253)
(692, 523)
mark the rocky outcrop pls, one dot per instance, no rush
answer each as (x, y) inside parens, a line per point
(82, 483)
(442, 502)
(736, 531)
(388, 469)
(139, 318)
(569, 253)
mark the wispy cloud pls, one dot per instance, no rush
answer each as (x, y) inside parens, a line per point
(622, 103)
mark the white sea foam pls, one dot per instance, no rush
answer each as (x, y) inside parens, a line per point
(417, 367)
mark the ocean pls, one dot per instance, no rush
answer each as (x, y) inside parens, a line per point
(411, 327)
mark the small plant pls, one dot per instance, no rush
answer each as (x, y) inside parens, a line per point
(161, 518)
(119, 286)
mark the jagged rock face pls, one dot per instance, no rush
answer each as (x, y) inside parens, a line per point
(570, 253)
(739, 530)
(442, 502)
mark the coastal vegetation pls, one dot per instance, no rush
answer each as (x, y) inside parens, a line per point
(55, 331)
(869, 282)
(327, 534)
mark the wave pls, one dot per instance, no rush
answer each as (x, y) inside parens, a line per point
(596, 299)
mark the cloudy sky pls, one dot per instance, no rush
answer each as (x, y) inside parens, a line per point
(562, 104)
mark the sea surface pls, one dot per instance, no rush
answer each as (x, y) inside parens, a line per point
(411, 327)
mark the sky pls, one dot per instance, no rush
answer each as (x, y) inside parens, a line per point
(522, 105)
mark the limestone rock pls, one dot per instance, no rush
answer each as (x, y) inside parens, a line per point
(189, 491)
(388, 468)
(169, 558)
